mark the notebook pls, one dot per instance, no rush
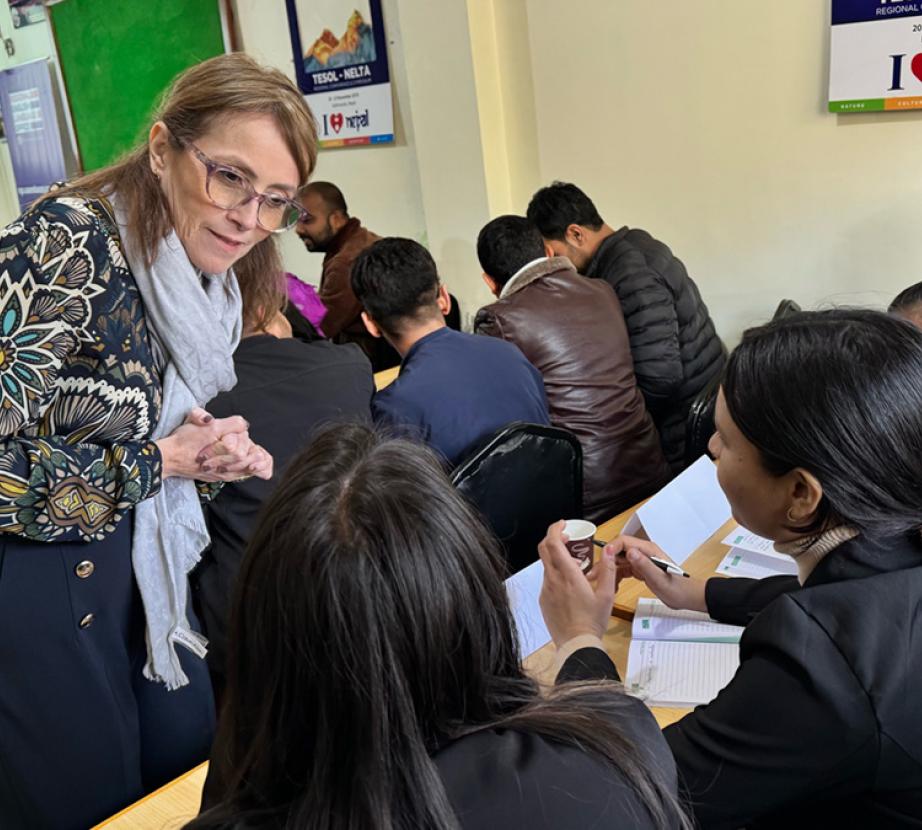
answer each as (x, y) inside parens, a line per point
(679, 658)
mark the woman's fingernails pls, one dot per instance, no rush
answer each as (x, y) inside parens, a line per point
(207, 418)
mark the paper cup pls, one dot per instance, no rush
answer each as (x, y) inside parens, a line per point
(580, 534)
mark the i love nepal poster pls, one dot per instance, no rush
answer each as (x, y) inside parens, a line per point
(340, 56)
(875, 55)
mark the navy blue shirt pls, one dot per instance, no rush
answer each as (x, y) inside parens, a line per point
(455, 389)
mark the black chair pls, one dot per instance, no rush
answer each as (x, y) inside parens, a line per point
(522, 479)
(785, 309)
(699, 423)
(453, 318)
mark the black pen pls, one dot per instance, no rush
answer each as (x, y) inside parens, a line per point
(662, 564)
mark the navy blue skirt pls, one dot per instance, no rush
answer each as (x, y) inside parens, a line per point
(82, 733)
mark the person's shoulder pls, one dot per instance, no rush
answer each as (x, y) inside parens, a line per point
(76, 212)
(523, 779)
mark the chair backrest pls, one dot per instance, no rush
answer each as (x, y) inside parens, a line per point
(699, 424)
(785, 309)
(523, 478)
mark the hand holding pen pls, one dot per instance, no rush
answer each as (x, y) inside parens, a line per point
(643, 560)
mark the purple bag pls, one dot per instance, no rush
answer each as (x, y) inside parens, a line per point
(303, 297)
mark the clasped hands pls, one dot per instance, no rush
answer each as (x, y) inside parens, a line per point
(573, 604)
(206, 448)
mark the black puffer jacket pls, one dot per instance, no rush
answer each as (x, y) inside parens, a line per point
(675, 348)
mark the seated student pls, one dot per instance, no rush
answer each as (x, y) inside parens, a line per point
(285, 389)
(376, 679)
(454, 389)
(908, 304)
(675, 347)
(819, 422)
(571, 329)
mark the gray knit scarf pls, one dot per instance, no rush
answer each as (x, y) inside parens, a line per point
(194, 322)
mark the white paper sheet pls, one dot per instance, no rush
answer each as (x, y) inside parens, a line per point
(523, 589)
(747, 540)
(740, 562)
(684, 513)
(655, 621)
(679, 674)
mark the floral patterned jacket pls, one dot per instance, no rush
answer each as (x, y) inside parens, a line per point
(80, 392)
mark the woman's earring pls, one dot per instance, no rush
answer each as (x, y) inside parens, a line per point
(791, 519)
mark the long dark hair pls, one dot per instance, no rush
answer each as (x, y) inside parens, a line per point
(838, 393)
(370, 627)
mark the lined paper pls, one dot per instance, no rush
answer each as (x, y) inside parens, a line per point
(655, 621)
(523, 589)
(679, 674)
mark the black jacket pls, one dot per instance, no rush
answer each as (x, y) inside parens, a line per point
(285, 389)
(675, 347)
(822, 724)
(512, 779)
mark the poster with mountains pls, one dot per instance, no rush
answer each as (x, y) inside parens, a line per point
(356, 45)
(340, 57)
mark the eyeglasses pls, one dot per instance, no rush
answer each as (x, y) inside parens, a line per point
(228, 188)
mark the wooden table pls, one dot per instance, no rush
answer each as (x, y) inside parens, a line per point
(168, 808)
(386, 377)
(177, 802)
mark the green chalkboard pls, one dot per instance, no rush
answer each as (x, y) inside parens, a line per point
(117, 57)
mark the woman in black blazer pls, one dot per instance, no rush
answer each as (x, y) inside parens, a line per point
(819, 448)
(374, 676)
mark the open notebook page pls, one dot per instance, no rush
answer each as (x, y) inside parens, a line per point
(655, 621)
(679, 674)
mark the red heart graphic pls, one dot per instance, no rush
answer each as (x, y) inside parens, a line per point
(336, 119)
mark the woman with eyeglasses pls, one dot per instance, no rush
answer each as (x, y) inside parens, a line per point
(120, 300)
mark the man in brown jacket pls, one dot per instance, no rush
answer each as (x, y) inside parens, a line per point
(330, 230)
(572, 330)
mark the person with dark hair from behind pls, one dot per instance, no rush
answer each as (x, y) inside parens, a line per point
(285, 389)
(908, 304)
(675, 347)
(571, 329)
(819, 424)
(454, 389)
(330, 230)
(376, 677)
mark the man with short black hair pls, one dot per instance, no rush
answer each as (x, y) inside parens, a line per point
(908, 304)
(330, 230)
(454, 389)
(571, 329)
(675, 348)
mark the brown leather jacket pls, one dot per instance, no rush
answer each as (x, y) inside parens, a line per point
(572, 330)
(343, 320)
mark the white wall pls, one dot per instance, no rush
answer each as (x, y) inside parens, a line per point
(705, 124)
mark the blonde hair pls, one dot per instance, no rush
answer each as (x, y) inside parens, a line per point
(225, 85)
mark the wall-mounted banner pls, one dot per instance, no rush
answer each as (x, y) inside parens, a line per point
(876, 55)
(31, 123)
(341, 64)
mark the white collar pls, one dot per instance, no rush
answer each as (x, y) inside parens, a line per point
(507, 288)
